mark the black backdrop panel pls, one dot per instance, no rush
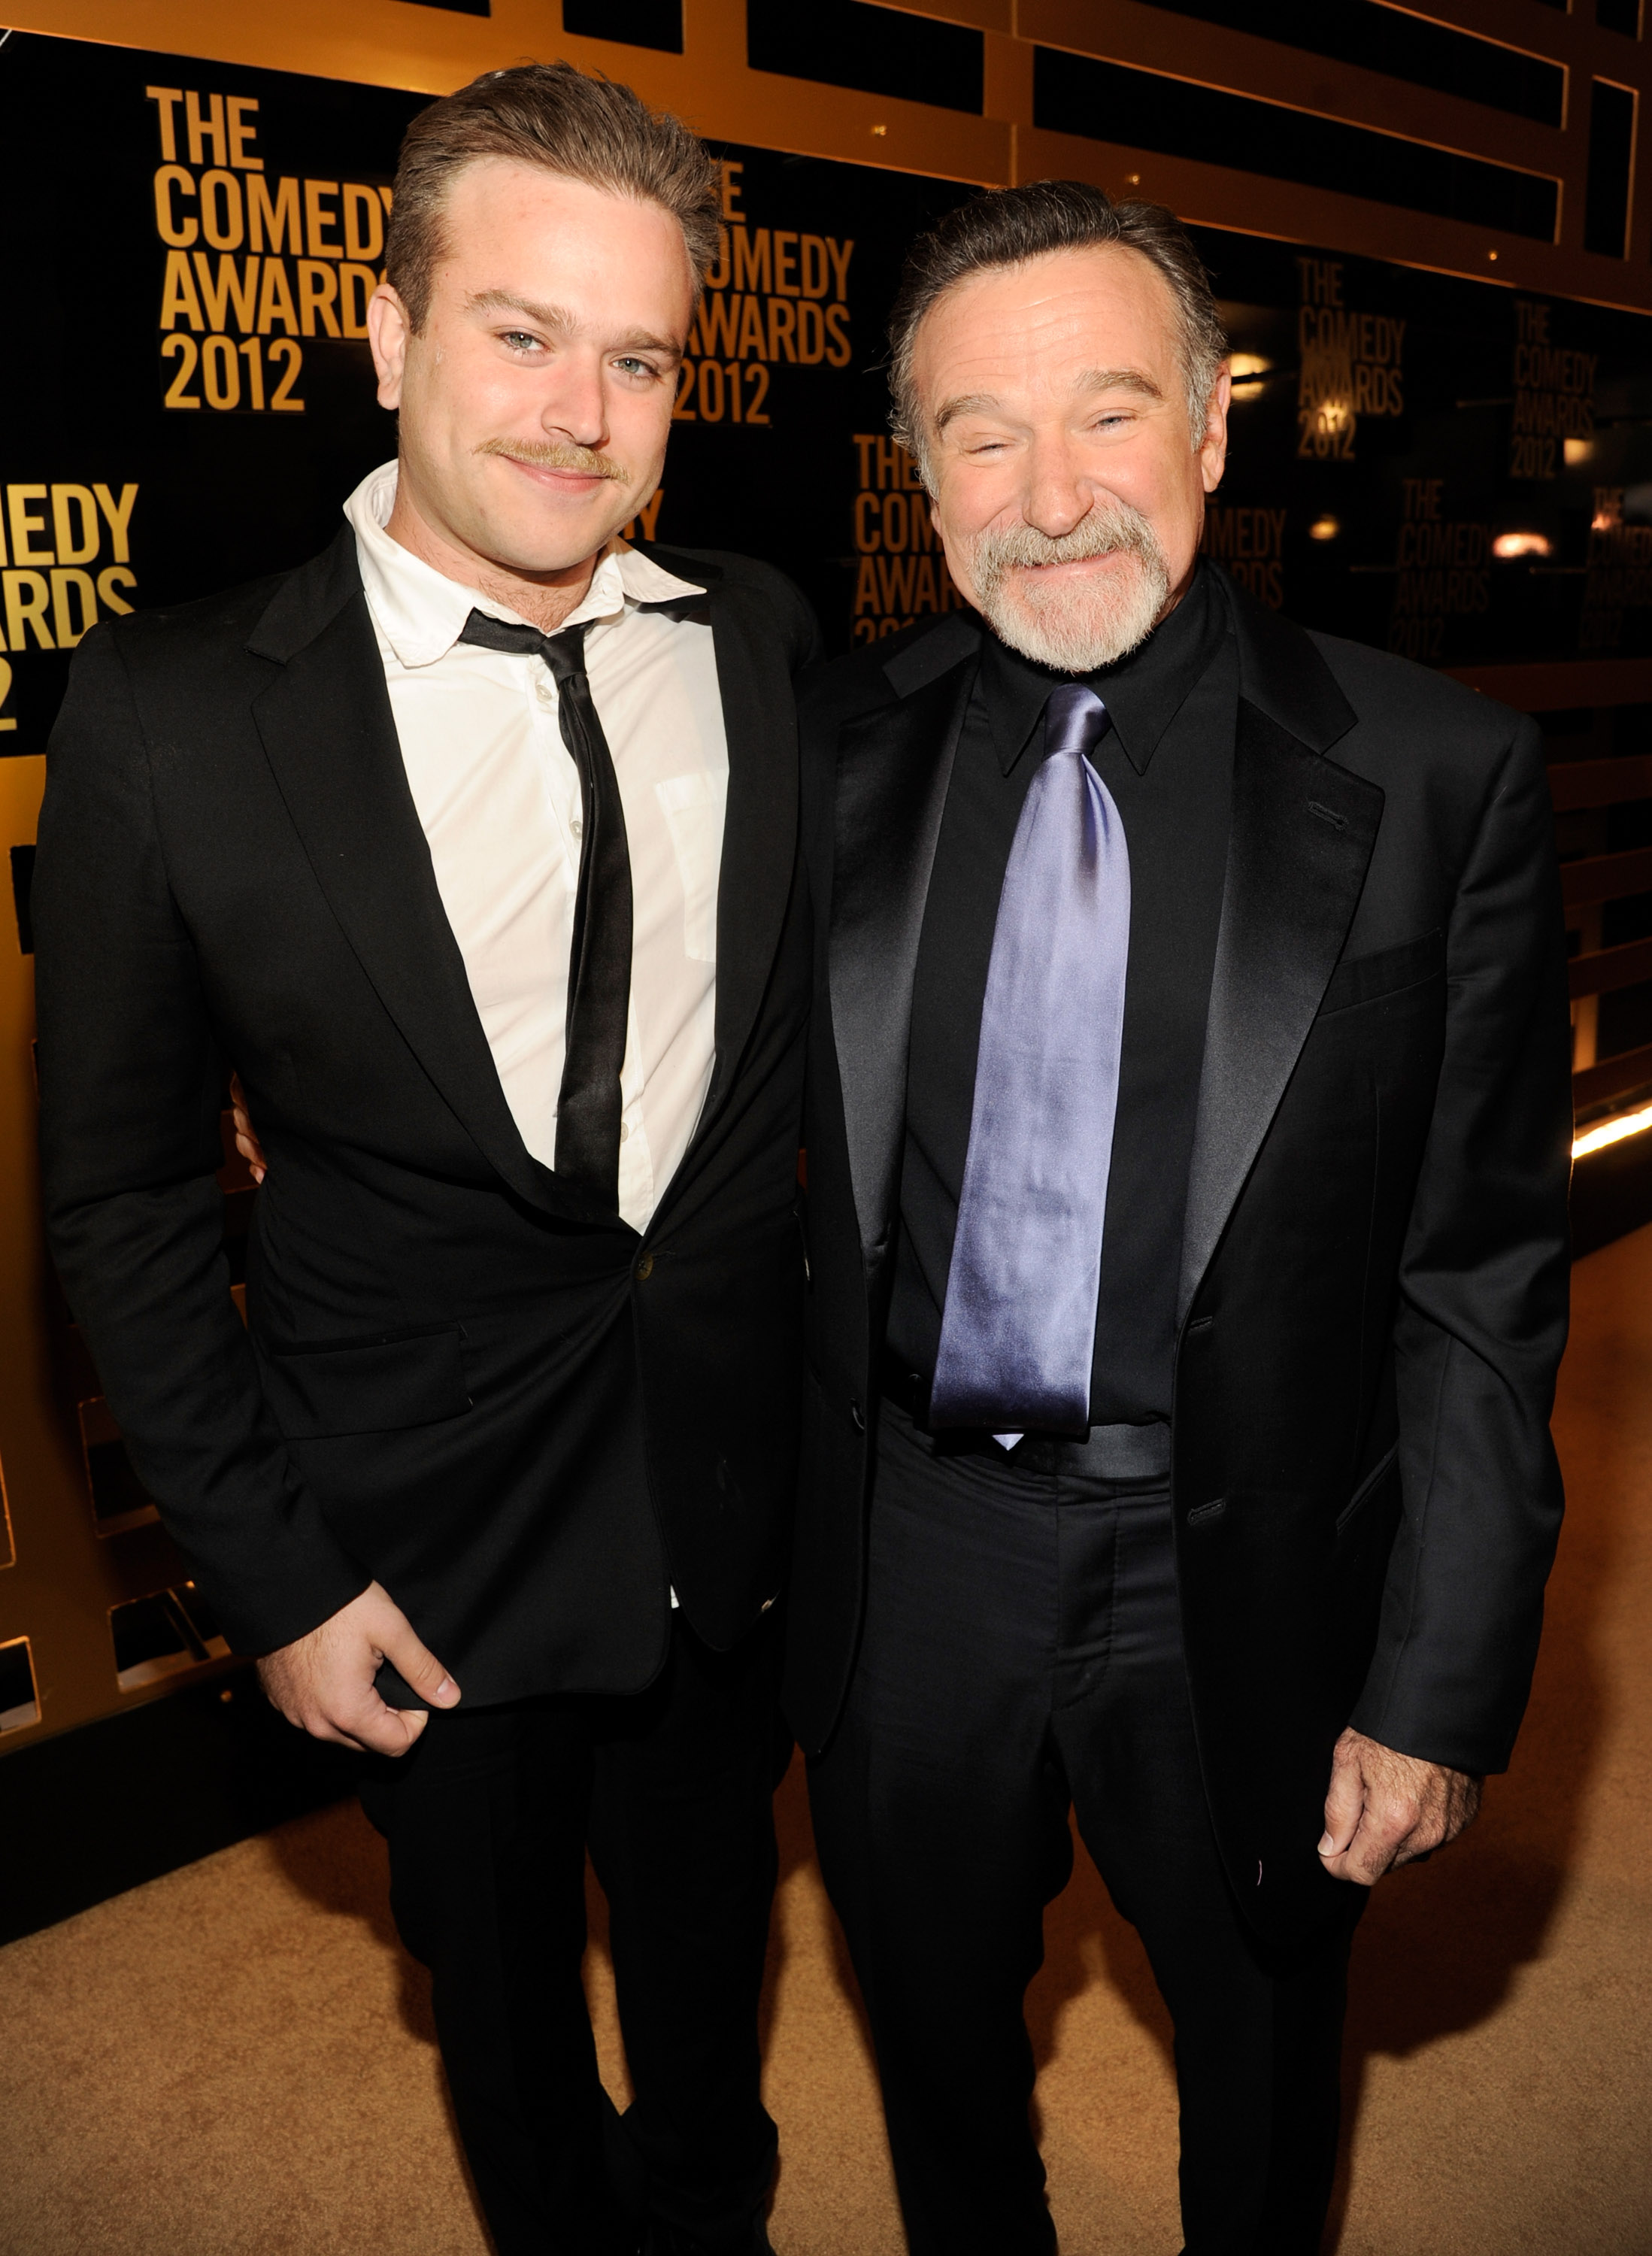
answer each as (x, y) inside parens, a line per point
(1444, 469)
(1438, 467)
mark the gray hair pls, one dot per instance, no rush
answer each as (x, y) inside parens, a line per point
(1007, 227)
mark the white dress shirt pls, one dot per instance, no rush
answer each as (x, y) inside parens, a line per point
(498, 793)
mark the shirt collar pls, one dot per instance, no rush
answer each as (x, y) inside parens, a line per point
(420, 613)
(1143, 693)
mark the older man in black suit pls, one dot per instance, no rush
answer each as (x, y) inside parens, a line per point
(1188, 1154)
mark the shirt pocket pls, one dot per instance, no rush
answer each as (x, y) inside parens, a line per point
(693, 807)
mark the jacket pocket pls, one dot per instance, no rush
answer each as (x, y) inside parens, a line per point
(1368, 1486)
(374, 1385)
(1386, 971)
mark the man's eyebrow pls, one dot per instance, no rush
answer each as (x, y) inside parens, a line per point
(1117, 379)
(556, 318)
(562, 323)
(1087, 381)
(967, 403)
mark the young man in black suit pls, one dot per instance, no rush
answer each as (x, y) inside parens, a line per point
(1187, 1153)
(470, 845)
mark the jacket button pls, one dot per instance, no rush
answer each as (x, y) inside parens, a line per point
(646, 1266)
(857, 1417)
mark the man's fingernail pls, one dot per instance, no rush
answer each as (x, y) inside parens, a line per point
(446, 1687)
(1326, 1845)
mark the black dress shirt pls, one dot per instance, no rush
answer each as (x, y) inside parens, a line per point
(1167, 759)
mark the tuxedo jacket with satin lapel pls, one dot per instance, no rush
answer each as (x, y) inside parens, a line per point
(1373, 1296)
(521, 1418)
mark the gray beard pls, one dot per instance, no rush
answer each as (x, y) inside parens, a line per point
(1072, 630)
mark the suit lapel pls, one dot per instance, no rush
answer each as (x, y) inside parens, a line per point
(330, 739)
(760, 825)
(1301, 839)
(894, 766)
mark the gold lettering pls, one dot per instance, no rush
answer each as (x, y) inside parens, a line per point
(167, 99)
(177, 299)
(120, 516)
(241, 133)
(201, 130)
(363, 221)
(236, 285)
(782, 328)
(355, 285)
(278, 221)
(318, 218)
(224, 228)
(178, 232)
(65, 584)
(111, 578)
(75, 544)
(24, 525)
(275, 299)
(751, 260)
(318, 294)
(752, 341)
(27, 594)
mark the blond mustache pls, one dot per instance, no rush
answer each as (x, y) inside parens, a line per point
(556, 454)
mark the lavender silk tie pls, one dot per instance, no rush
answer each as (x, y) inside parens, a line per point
(1019, 1330)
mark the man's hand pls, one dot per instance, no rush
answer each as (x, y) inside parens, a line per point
(324, 1681)
(246, 1136)
(1386, 1808)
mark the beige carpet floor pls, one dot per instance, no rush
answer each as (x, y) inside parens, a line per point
(238, 2060)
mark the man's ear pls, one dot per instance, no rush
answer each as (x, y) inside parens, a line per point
(1212, 449)
(388, 331)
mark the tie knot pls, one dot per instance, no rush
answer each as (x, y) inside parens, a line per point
(564, 653)
(1074, 720)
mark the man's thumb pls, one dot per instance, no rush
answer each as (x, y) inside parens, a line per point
(1344, 1804)
(419, 1668)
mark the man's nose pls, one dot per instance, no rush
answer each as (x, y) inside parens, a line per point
(1059, 496)
(576, 406)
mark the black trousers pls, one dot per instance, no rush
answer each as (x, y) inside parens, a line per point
(1021, 1657)
(488, 1819)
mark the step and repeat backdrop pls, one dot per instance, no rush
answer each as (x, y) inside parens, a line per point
(1442, 468)
(1439, 467)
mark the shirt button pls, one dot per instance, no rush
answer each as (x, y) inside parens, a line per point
(542, 691)
(645, 1267)
(625, 1130)
(577, 827)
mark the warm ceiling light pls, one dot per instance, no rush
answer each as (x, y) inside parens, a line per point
(1579, 450)
(1491, 254)
(1324, 528)
(1522, 544)
(880, 131)
(1612, 1132)
(1132, 180)
(1247, 368)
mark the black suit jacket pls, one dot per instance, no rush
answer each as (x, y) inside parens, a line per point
(1373, 1294)
(456, 1377)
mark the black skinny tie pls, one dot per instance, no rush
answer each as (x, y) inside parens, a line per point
(588, 1113)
